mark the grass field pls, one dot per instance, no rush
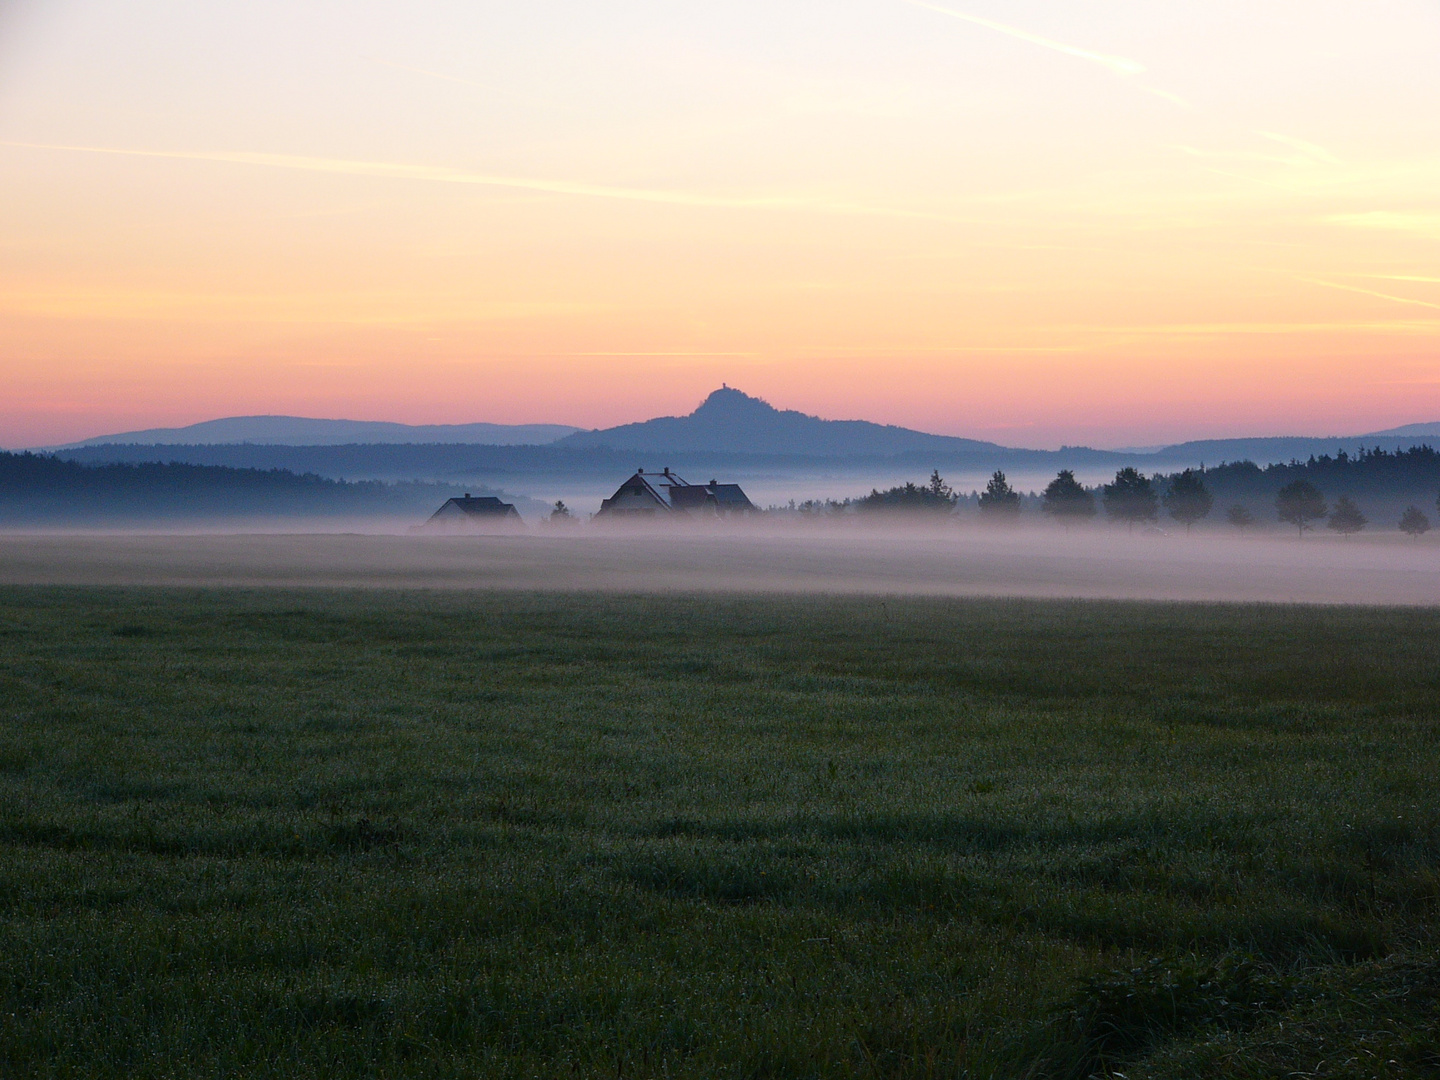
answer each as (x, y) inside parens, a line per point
(251, 833)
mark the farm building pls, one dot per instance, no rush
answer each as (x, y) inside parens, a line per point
(667, 494)
(472, 513)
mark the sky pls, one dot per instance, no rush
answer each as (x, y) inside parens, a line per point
(1041, 222)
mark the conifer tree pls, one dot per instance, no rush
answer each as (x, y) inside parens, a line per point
(999, 501)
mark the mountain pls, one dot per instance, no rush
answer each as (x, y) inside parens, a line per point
(304, 431)
(729, 421)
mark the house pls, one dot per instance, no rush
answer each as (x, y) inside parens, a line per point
(471, 513)
(666, 494)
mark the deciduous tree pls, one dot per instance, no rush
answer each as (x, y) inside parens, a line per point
(1299, 503)
(1131, 498)
(1188, 500)
(1066, 500)
(1240, 517)
(935, 496)
(1346, 518)
(1414, 522)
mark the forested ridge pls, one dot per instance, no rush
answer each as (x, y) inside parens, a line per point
(42, 488)
(1383, 483)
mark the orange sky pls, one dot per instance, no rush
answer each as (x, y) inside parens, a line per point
(1036, 222)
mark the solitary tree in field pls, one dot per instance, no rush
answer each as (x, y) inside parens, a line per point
(1188, 500)
(999, 501)
(1130, 498)
(1240, 517)
(1300, 502)
(561, 512)
(1414, 522)
(1066, 500)
(1346, 518)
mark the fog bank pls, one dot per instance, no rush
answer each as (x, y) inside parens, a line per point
(1380, 569)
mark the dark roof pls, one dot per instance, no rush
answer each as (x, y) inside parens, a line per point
(480, 506)
(679, 495)
(730, 497)
(637, 487)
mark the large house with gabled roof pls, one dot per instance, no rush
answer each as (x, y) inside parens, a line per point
(666, 494)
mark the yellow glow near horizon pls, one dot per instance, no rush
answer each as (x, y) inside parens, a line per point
(1035, 222)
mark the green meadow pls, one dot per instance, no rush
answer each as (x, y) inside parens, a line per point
(369, 833)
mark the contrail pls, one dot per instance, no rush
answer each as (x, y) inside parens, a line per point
(1371, 292)
(1118, 64)
(440, 174)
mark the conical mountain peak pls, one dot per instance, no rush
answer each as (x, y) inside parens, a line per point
(731, 421)
(729, 402)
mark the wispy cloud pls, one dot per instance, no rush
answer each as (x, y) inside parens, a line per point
(444, 175)
(1118, 64)
(1174, 99)
(1309, 149)
(663, 352)
(1307, 155)
(1406, 326)
(1371, 292)
(1420, 224)
(335, 308)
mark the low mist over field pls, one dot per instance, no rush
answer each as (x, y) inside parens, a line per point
(1034, 562)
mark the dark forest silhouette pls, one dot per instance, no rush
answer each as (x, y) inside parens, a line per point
(38, 488)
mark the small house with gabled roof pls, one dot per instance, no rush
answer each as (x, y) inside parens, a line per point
(470, 513)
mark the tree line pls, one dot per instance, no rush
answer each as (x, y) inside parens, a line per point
(36, 488)
(1135, 500)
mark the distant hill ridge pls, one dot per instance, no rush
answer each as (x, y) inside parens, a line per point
(307, 431)
(727, 422)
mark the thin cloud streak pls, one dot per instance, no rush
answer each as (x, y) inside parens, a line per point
(1427, 225)
(1423, 326)
(1309, 149)
(1118, 64)
(441, 174)
(1370, 292)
